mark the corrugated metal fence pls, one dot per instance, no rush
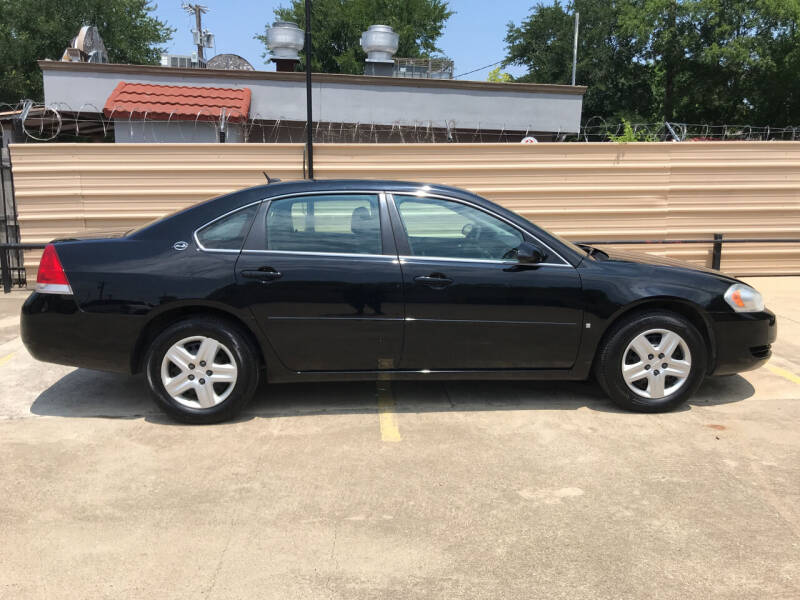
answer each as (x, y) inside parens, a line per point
(582, 191)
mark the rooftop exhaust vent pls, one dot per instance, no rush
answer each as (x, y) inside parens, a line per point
(380, 43)
(87, 46)
(285, 40)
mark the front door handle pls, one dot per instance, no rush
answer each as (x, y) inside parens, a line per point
(262, 273)
(435, 280)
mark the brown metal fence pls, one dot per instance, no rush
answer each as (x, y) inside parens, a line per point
(584, 191)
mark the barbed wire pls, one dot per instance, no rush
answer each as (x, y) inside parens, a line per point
(598, 129)
(50, 122)
(47, 123)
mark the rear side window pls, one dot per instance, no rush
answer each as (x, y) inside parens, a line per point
(336, 223)
(228, 233)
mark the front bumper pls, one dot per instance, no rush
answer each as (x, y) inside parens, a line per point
(743, 340)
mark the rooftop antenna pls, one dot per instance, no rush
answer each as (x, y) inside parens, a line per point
(270, 179)
(202, 38)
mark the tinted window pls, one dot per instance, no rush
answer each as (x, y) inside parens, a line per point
(337, 223)
(229, 232)
(453, 230)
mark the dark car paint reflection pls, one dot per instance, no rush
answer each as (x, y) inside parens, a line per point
(357, 315)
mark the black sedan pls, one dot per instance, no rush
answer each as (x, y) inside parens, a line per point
(347, 280)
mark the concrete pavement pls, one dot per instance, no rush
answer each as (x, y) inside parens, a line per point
(414, 490)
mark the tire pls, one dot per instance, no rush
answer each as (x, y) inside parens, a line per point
(629, 364)
(176, 359)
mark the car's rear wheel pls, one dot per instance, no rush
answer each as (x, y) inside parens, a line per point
(652, 361)
(202, 370)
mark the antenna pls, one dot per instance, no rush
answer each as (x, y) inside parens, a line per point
(271, 179)
(201, 37)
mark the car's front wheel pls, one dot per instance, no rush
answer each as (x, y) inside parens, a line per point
(202, 370)
(652, 362)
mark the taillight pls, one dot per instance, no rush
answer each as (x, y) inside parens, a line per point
(51, 278)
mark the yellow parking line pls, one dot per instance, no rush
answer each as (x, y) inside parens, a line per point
(7, 358)
(784, 373)
(387, 417)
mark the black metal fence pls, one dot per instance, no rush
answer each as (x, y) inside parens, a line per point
(9, 227)
(716, 249)
(7, 269)
(716, 252)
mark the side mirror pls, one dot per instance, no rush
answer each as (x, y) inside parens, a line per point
(529, 254)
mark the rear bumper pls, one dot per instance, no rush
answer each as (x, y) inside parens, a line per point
(55, 330)
(743, 340)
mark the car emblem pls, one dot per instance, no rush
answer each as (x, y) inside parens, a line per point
(180, 245)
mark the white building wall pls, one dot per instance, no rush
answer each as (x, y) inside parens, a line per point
(174, 131)
(85, 87)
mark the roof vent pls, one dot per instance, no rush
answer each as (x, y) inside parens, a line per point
(285, 40)
(87, 46)
(380, 43)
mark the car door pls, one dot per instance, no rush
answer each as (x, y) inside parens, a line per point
(320, 273)
(469, 303)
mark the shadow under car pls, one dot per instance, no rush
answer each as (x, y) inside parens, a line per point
(93, 394)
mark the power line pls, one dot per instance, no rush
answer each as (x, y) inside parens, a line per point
(480, 69)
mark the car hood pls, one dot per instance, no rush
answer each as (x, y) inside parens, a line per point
(661, 261)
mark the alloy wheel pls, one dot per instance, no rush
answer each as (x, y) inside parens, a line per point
(198, 372)
(656, 363)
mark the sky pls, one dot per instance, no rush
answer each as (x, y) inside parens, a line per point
(473, 36)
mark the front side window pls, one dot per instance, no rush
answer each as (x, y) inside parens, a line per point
(336, 223)
(448, 229)
(228, 233)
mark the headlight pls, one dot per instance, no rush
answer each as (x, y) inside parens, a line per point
(743, 298)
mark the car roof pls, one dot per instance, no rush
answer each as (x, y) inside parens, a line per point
(205, 212)
(288, 187)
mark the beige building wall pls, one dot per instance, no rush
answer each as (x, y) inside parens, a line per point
(583, 191)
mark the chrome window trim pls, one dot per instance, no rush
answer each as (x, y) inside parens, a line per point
(230, 212)
(489, 212)
(335, 192)
(381, 195)
(405, 258)
(392, 257)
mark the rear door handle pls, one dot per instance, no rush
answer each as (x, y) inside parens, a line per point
(434, 280)
(262, 273)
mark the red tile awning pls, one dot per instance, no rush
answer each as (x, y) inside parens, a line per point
(177, 102)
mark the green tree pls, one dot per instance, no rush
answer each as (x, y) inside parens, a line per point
(337, 26)
(696, 61)
(498, 76)
(629, 134)
(31, 30)
(618, 84)
(720, 61)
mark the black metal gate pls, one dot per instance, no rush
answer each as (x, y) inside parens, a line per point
(9, 226)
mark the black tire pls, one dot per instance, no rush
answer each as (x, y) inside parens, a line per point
(240, 349)
(608, 364)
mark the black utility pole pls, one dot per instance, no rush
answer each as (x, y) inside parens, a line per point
(309, 130)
